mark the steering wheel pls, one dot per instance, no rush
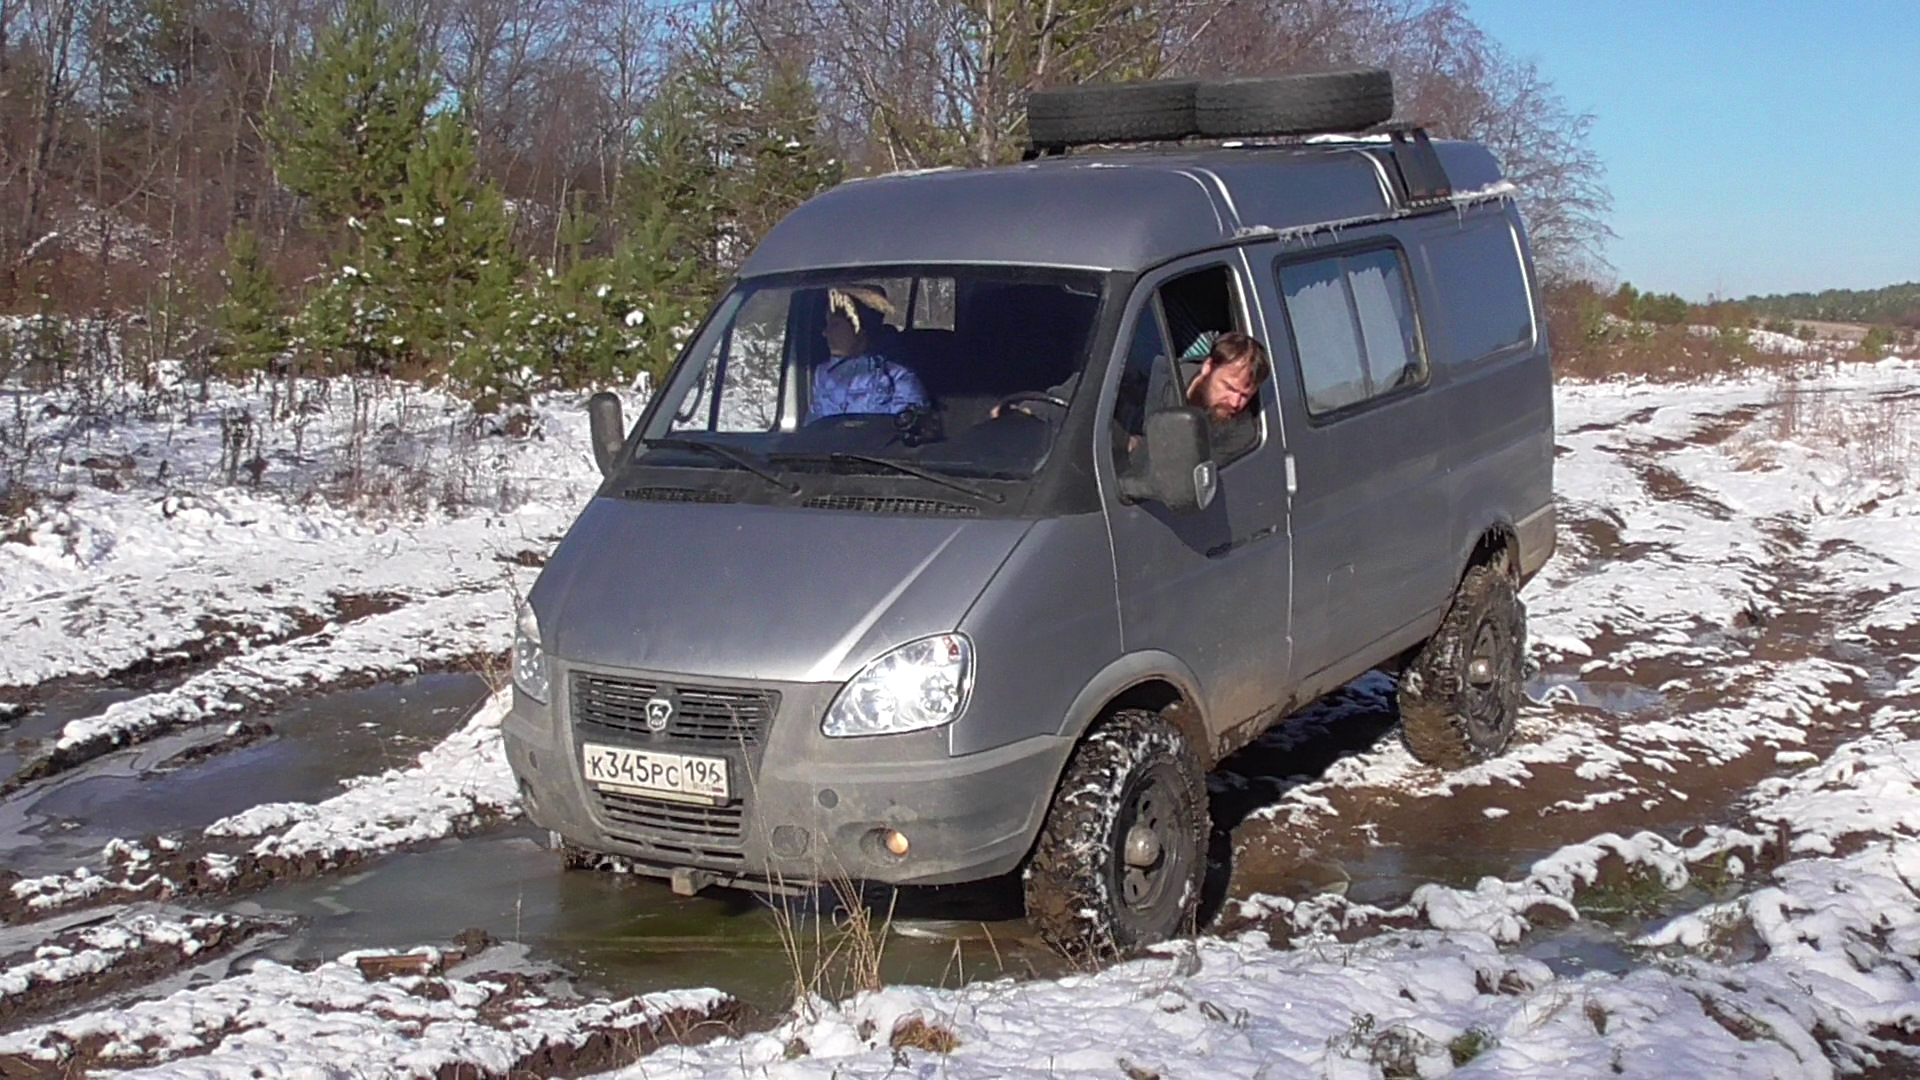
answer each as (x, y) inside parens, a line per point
(1021, 396)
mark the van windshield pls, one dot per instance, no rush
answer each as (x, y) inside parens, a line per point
(954, 370)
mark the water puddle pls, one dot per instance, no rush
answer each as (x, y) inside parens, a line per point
(1618, 697)
(1581, 947)
(621, 934)
(314, 744)
(23, 737)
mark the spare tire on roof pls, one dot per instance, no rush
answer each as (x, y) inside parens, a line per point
(1345, 100)
(1111, 112)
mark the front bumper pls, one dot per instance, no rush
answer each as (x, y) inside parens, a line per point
(806, 809)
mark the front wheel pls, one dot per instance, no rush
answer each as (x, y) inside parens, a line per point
(1460, 698)
(1121, 857)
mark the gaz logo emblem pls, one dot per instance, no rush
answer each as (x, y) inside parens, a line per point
(659, 712)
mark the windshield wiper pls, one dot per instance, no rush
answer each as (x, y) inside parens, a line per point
(841, 457)
(676, 442)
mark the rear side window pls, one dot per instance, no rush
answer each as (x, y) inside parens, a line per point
(1482, 290)
(1354, 334)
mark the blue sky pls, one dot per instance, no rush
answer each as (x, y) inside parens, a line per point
(1751, 147)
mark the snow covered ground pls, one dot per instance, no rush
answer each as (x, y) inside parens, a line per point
(1721, 772)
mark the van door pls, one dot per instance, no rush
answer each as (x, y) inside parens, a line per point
(1212, 587)
(1370, 519)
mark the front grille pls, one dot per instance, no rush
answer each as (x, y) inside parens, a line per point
(692, 821)
(880, 505)
(679, 830)
(700, 714)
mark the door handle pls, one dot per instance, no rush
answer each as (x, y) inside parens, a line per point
(1293, 475)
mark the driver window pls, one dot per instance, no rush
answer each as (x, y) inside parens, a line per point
(1171, 338)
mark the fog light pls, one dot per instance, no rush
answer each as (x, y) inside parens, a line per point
(896, 842)
(789, 841)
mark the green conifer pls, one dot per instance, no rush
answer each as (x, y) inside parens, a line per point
(447, 242)
(250, 321)
(343, 137)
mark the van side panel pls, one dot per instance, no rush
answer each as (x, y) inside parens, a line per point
(1369, 516)
(1046, 625)
(1500, 404)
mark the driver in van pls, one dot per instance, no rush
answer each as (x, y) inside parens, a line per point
(855, 379)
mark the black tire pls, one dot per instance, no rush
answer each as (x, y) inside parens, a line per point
(1454, 711)
(1111, 112)
(1346, 100)
(1083, 896)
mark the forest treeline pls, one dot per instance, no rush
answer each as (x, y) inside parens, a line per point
(513, 194)
(1893, 305)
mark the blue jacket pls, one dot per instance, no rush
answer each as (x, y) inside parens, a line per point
(863, 384)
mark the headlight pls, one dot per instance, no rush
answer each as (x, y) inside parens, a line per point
(921, 684)
(529, 662)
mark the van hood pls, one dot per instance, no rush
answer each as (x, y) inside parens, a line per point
(757, 592)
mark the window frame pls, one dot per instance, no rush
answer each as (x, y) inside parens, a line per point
(1340, 253)
(1144, 296)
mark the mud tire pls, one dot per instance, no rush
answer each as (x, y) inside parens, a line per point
(1111, 112)
(1349, 99)
(1082, 897)
(1446, 717)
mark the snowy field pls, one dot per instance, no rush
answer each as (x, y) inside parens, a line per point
(1700, 858)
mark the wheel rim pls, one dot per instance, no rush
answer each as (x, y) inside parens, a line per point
(1489, 671)
(1151, 852)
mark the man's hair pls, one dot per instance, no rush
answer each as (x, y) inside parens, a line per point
(1234, 347)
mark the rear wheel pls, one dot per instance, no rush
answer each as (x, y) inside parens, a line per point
(1121, 857)
(1460, 698)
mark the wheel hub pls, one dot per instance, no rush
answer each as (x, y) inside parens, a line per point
(1480, 671)
(1143, 847)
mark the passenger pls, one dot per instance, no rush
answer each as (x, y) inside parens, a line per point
(855, 379)
(1223, 373)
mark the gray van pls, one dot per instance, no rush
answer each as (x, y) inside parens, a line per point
(1007, 619)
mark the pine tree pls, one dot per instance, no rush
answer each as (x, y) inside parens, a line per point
(447, 243)
(782, 159)
(251, 323)
(344, 135)
(730, 144)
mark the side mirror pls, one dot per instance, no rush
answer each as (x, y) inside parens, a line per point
(1180, 471)
(608, 430)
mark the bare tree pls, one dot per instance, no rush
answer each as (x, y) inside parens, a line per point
(1452, 77)
(914, 83)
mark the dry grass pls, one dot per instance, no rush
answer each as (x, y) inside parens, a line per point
(915, 1033)
(1879, 434)
(834, 940)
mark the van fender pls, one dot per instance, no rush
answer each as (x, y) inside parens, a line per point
(1161, 681)
(1495, 540)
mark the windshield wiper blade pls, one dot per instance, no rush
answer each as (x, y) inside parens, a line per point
(678, 442)
(839, 457)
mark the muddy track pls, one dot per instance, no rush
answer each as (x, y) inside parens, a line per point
(509, 998)
(46, 991)
(200, 868)
(220, 638)
(63, 759)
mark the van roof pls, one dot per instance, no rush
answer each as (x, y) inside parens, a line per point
(1126, 210)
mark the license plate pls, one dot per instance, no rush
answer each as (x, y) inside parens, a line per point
(681, 777)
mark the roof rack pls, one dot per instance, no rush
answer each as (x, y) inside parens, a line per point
(1351, 101)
